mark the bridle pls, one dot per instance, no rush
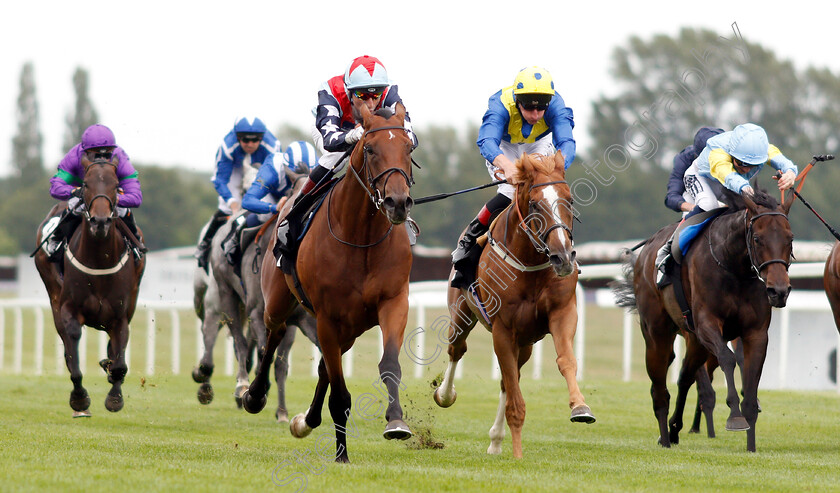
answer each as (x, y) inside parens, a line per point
(377, 197)
(111, 202)
(748, 227)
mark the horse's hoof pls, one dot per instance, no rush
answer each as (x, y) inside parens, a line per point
(495, 448)
(664, 445)
(582, 414)
(114, 403)
(738, 423)
(238, 393)
(343, 458)
(251, 403)
(281, 416)
(81, 414)
(80, 401)
(445, 401)
(200, 374)
(205, 393)
(397, 429)
(299, 428)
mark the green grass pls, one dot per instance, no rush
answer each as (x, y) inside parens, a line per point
(164, 440)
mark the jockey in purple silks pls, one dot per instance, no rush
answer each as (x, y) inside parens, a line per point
(98, 142)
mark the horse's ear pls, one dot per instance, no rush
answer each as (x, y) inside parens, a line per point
(559, 161)
(400, 111)
(789, 199)
(85, 161)
(753, 208)
(291, 175)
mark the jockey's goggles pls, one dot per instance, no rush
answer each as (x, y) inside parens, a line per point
(100, 153)
(365, 95)
(536, 106)
(250, 138)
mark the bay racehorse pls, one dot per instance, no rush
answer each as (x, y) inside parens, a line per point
(525, 289)
(353, 267)
(101, 279)
(733, 275)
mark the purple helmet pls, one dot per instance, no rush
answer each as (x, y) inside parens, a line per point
(98, 135)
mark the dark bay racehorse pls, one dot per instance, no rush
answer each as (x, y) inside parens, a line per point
(831, 282)
(100, 283)
(732, 276)
(353, 266)
(525, 289)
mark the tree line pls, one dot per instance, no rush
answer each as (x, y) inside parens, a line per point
(666, 88)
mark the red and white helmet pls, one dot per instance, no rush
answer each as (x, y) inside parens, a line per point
(366, 73)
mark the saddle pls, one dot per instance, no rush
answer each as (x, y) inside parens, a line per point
(286, 254)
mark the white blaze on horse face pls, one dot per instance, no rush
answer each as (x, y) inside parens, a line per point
(553, 198)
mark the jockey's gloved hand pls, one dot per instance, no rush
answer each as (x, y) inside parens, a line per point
(748, 191)
(77, 192)
(354, 135)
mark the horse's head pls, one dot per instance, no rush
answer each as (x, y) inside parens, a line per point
(770, 243)
(541, 184)
(383, 153)
(99, 193)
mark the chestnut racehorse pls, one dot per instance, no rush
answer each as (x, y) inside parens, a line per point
(732, 277)
(353, 266)
(525, 289)
(100, 283)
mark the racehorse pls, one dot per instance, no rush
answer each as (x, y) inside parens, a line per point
(831, 282)
(99, 286)
(735, 273)
(525, 289)
(227, 299)
(353, 267)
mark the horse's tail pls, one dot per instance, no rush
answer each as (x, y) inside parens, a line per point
(622, 289)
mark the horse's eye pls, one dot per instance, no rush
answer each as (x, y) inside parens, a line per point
(369, 149)
(757, 240)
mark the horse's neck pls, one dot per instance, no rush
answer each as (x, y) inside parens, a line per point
(351, 210)
(95, 252)
(516, 239)
(731, 229)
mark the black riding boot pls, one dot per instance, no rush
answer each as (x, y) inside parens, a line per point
(289, 227)
(62, 234)
(203, 248)
(231, 243)
(461, 257)
(132, 226)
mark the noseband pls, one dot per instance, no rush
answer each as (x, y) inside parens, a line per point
(749, 228)
(377, 197)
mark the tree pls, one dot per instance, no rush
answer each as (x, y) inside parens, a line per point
(27, 160)
(84, 114)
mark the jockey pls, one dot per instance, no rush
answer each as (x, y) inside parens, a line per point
(674, 199)
(730, 159)
(98, 142)
(244, 150)
(338, 124)
(526, 117)
(265, 192)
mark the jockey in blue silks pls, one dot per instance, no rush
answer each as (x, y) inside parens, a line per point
(531, 117)
(271, 184)
(730, 159)
(247, 147)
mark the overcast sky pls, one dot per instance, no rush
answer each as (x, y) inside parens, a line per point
(169, 77)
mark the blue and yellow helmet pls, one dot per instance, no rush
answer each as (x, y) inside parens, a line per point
(533, 86)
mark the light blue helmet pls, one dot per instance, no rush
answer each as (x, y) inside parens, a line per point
(247, 125)
(749, 144)
(301, 157)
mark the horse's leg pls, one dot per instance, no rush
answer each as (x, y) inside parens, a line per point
(210, 327)
(393, 316)
(507, 352)
(695, 357)
(562, 326)
(659, 353)
(117, 369)
(302, 424)
(70, 330)
(497, 431)
(461, 322)
(755, 351)
(705, 398)
(281, 372)
(710, 333)
(340, 399)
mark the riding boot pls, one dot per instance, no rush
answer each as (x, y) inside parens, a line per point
(132, 226)
(461, 256)
(231, 243)
(288, 228)
(62, 234)
(662, 257)
(203, 248)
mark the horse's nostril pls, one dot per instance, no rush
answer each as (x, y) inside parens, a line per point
(409, 203)
(388, 203)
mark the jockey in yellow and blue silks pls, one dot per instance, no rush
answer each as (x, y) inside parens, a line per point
(526, 117)
(730, 159)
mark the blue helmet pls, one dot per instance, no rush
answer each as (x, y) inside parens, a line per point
(301, 157)
(749, 144)
(247, 125)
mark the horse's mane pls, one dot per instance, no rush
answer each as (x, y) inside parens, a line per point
(760, 197)
(529, 165)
